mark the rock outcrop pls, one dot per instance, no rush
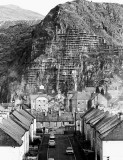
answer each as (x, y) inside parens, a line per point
(22, 45)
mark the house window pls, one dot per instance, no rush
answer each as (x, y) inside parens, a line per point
(71, 122)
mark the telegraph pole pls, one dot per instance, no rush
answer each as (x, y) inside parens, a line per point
(75, 122)
(57, 87)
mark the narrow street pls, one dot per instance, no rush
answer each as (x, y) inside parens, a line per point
(43, 148)
(80, 155)
(59, 152)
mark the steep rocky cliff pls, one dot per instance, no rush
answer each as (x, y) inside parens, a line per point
(15, 53)
(97, 19)
(24, 45)
(103, 19)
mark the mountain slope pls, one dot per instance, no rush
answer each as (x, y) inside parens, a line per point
(102, 19)
(21, 44)
(15, 13)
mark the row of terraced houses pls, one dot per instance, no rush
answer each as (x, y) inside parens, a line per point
(101, 125)
(17, 130)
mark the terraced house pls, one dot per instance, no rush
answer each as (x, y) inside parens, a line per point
(16, 131)
(104, 133)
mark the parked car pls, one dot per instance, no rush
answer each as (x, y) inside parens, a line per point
(52, 136)
(50, 158)
(32, 158)
(52, 143)
(69, 150)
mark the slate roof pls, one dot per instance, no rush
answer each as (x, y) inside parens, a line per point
(93, 95)
(90, 89)
(87, 112)
(33, 97)
(93, 116)
(54, 117)
(105, 124)
(108, 125)
(21, 118)
(26, 115)
(8, 130)
(98, 118)
(88, 116)
(116, 133)
(109, 120)
(18, 130)
(19, 127)
(24, 126)
(81, 96)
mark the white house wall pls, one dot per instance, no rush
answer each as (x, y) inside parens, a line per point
(34, 126)
(31, 132)
(10, 153)
(33, 106)
(102, 100)
(23, 145)
(113, 150)
(42, 104)
(27, 141)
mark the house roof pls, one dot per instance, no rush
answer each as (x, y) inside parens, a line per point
(107, 124)
(116, 133)
(26, 115)
(90, 89)
(93, 115)
(65, 117)
(88, 116)
(107, 121)
(98, 118)
(8, 130)
(109, 127)
(88, 111)
(93, 95)
(15, 127)
(24, 126)
(33, 97)
(106, 96)
(21, 118)
(110, 124)
(81, 95)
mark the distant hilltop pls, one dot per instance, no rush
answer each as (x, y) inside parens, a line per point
(14, 13)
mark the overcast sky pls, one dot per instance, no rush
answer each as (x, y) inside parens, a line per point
(44, 6)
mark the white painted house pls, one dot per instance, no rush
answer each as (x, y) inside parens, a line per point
(11, 142)
(105, 133)
(25, 121)
(39, 102)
